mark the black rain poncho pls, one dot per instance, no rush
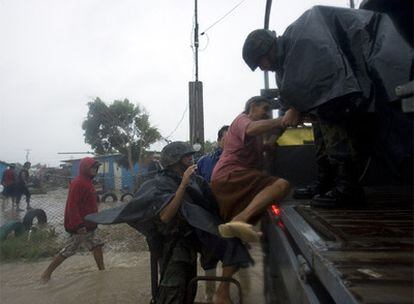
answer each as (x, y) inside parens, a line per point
(331, 52)
(199, 209)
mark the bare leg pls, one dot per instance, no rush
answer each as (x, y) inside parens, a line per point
(97, 254)
(57, 260)
(210, 285)
(223, 290)
(273, 193)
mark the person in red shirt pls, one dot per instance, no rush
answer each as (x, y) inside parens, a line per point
(8, 181)
(242, 190)
(81, 201)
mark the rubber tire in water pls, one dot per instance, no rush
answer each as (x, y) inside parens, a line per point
(31, 215)
(125, 195)
(111, 195)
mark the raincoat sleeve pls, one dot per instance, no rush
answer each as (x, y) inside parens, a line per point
(73, 219)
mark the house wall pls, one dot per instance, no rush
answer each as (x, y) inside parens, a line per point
(113, 176)
(3, 167)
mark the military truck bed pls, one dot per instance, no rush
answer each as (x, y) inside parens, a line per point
(358, 255)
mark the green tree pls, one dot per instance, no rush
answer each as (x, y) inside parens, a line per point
(209, 146)
(119, 127)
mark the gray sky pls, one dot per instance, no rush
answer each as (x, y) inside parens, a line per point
(57, 55)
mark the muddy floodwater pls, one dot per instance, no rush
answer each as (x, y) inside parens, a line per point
(125, 280)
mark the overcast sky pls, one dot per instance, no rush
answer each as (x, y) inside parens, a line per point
(57, 55)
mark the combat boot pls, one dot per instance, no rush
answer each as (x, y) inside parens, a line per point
(324, 183)
(346, 193)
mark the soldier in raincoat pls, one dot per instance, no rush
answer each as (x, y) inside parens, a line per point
(178, 214)
(337, 65)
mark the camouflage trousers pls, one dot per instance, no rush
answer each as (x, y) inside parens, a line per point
(333, 143)
(340, 130)
(340, 135)
(178, 267)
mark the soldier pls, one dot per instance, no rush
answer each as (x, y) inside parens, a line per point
(338, 64)
(179, 216)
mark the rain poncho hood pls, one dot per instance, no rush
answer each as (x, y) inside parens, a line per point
(85, 167)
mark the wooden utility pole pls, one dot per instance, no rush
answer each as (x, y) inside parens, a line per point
(196, 114)
(196, 96)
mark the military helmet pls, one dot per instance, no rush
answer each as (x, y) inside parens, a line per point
(173, 152)
(257, 44)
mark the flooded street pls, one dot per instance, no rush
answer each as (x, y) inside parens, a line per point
(77, 280)
(125, 280)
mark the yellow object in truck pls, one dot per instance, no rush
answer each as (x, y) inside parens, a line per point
(296, 136)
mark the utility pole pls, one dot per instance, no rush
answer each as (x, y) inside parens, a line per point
(27, 154)
(351, 4)
(266, 27)
(196, 96)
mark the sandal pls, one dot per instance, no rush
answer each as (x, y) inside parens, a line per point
(241, 230)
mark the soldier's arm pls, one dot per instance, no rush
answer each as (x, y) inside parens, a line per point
(171, 209)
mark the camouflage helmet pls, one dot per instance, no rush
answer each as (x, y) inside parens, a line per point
(173, 152)
(257, 44)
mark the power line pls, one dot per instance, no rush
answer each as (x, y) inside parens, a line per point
(225, 15)
(178, 124)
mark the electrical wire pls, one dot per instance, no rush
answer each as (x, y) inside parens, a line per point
(208, 41)
(225, 15)
(178, 124)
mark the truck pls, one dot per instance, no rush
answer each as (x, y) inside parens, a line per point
(342, 255)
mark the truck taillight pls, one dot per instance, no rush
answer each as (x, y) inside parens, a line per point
(275, 210)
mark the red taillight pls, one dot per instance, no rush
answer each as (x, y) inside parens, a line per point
(275, 210)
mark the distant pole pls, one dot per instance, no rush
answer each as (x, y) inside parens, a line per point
(351, 3)
(27, 154)
(196, 96)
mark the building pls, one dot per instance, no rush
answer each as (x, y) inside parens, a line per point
(3, 167)
(111, 176)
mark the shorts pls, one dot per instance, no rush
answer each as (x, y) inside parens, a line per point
(235, 191)
(89, 240)
(9, 191)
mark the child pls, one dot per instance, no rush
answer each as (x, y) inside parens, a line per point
(81, 201)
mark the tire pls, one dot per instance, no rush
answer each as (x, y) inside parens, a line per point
(126, 197)
(111, 195)
(31, 215)
(12, 226)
